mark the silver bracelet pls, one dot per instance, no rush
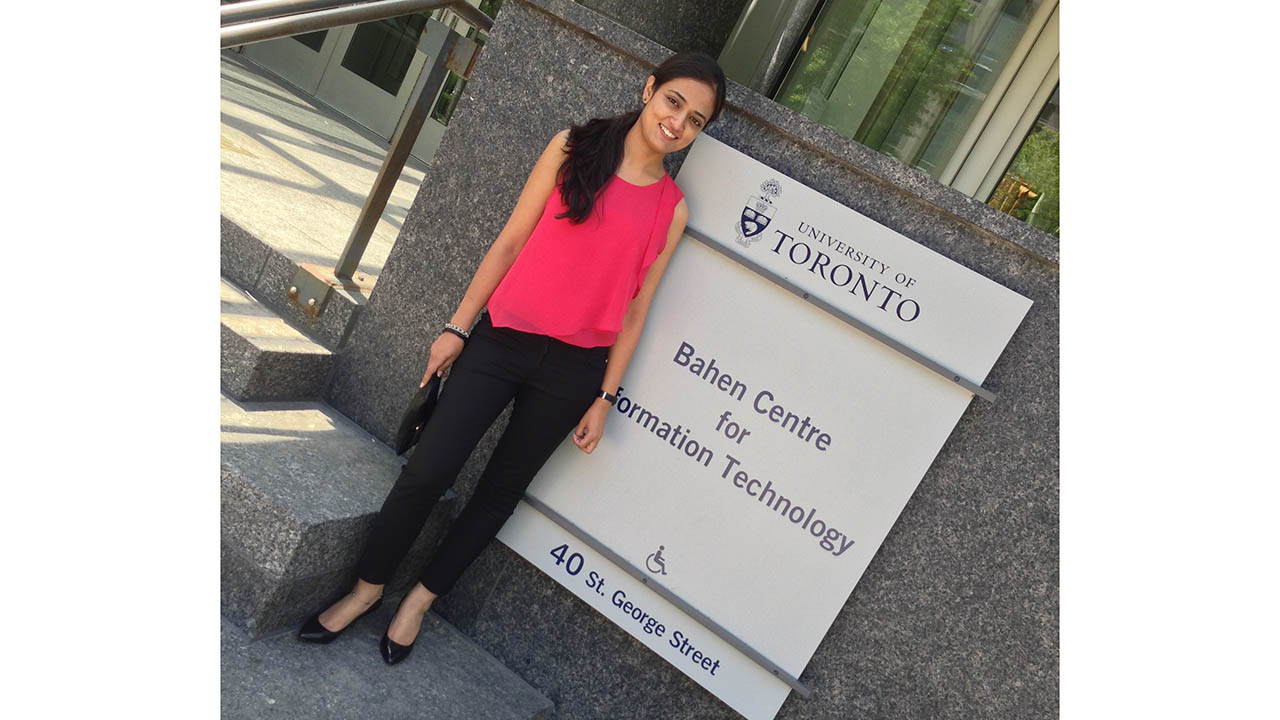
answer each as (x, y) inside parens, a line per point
(450, 327)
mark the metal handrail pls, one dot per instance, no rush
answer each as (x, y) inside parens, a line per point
(296, 17)
(259, 20)
(239, 12)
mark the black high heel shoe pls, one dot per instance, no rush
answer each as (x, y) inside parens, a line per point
(313, 632)
(392, 651)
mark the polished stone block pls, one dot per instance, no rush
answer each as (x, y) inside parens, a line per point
(267, 274)
(300, 488)
(243, 256)
(676, 24)
(263, 357)
(330, 328)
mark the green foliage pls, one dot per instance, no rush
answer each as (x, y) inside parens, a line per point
(927, 43)
(934, 61)
(933, 49)
(1037, 163)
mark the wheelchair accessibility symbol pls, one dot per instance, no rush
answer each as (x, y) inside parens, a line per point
(655, 563)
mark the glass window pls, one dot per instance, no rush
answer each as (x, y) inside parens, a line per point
(381, 51)
(1029, 188)
(313, 40)
(451, 91)
(448, 99)
(906, 77)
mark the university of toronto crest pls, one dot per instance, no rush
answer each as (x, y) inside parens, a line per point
(757, 213)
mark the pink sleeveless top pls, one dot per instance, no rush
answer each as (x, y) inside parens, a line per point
(574, 282)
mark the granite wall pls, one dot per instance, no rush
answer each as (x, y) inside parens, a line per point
(957, 615)
(676, 24)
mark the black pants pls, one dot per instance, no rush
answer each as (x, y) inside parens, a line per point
(553, 384)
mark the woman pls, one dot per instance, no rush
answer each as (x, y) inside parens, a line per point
(568, 284)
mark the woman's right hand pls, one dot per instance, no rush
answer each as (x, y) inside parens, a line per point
(444, 351)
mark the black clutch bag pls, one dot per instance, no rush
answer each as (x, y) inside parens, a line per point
(416, 416)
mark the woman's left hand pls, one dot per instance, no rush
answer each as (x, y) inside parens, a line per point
(587, 434)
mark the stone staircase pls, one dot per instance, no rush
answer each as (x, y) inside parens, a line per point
(301, 484)
(265, 358)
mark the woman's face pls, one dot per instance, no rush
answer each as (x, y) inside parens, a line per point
(675, 112)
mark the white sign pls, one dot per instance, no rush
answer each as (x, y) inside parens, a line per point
(937, 307)
(761, 448)
(646, 616)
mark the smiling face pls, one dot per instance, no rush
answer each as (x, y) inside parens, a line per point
(675, 112)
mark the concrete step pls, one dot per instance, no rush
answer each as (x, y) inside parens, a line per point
(268, 273)
(447, 677)
(263, 357)
(301, 485)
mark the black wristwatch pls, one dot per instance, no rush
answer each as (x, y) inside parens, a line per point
(613, 399)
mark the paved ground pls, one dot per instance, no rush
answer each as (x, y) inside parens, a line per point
(447, 677)
(295, 173)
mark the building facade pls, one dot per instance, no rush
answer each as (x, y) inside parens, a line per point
(965, 91)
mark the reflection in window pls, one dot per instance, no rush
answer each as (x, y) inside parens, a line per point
(905, 77)
(448, 100)
(1029, 188)
(451, 91)
(381, 51)
(313, 40)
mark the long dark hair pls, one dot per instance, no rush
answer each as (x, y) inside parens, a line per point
(595, 147)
